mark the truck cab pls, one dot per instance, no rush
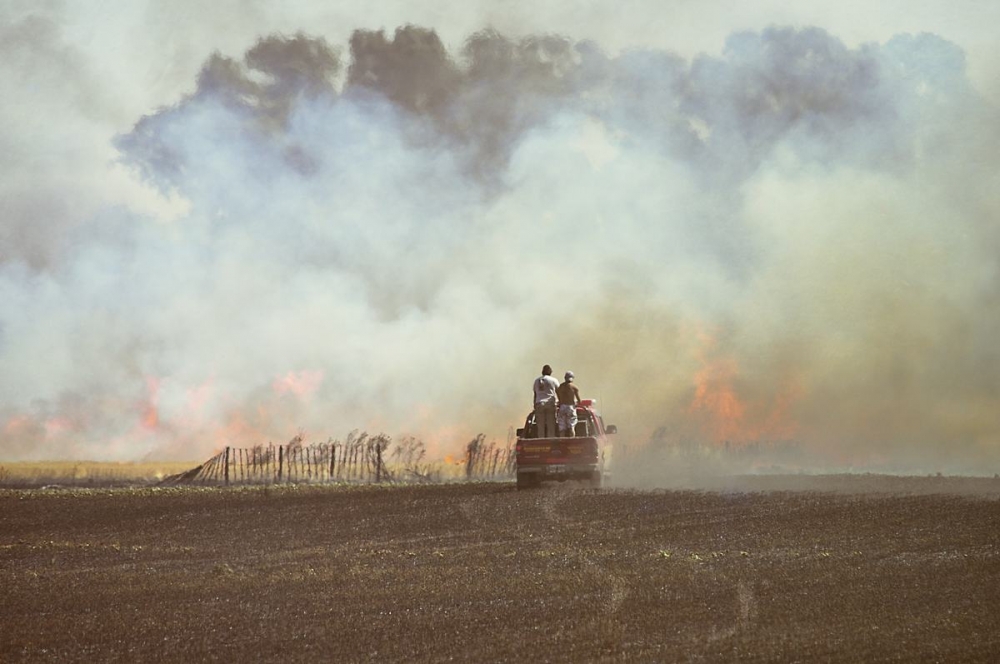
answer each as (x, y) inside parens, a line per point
(584, 456)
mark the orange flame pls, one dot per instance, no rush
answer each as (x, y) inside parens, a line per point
(724, 415)
(300, 383)
(715, 400)
(150, 412)
(56, 426)
(17, 424)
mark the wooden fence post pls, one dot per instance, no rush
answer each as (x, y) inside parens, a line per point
(227, 466)
(471, 455)
(281, 461)
(378, 462)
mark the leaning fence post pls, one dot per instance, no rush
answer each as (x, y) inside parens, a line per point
(226, 465)
(472, 452)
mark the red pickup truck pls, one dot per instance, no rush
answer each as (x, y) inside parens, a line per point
(584, 456)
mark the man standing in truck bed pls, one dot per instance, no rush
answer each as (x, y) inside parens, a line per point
(545, 404)
(569, 397)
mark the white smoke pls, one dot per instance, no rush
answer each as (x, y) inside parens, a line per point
(395, 236)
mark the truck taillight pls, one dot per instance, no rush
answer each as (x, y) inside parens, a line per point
(517, 448)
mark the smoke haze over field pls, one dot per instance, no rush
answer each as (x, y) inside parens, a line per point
(793, 239)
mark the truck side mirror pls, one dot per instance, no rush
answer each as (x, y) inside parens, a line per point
(520, 433)
(611, 428)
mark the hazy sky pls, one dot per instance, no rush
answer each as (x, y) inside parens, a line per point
(734, 221)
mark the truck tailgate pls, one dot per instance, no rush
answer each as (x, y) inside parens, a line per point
(569, 451)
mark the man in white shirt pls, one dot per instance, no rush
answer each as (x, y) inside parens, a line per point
(545, 404)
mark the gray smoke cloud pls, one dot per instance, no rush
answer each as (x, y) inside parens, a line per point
(794, 240)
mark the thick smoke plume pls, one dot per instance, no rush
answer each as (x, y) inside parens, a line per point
(791, 244)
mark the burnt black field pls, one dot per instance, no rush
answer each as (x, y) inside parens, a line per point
(844, 569)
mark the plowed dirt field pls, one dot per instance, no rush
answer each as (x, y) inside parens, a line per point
(867, 569)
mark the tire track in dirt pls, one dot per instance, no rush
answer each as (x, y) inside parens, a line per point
(477, 510)
(747, 606)
(617, 587)
(472, 509)
(746, 614)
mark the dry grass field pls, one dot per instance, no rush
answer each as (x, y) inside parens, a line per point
(867, 569)
(35, 474)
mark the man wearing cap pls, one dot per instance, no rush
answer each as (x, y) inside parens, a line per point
(569, 397)
(545, 404)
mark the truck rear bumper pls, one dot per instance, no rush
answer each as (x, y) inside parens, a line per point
(559, 471)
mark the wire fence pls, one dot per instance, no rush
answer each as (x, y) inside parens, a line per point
(360, 458)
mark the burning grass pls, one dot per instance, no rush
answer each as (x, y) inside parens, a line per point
(28, 474)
